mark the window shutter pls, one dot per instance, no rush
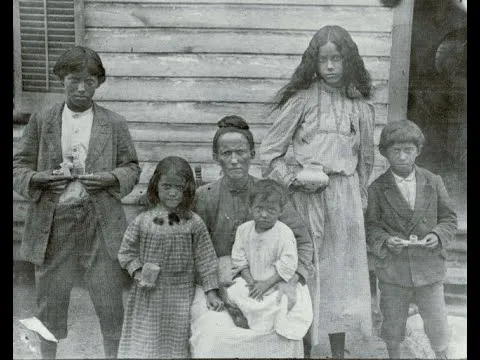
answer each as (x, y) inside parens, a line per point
(45, 28)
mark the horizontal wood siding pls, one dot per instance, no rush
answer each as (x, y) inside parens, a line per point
(221, 41)
(174, 68)
(202, 89)
(236, 16)
(273, 2)
(216, 65)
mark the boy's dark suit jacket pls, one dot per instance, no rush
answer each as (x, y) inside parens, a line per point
(388, 214)
(111, 149)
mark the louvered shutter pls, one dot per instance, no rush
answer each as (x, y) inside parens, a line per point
(45, 29)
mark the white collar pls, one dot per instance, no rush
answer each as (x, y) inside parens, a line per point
(409, 177)
(76, 115)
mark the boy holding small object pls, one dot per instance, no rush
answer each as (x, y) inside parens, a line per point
(409, 224)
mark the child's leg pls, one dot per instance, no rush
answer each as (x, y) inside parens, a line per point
(234, 292)
(431, 306)
(394, 303)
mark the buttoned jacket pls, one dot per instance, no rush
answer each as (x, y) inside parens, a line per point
(110, 149)
(388, 214)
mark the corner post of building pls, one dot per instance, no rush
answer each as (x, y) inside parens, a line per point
(400, 60)
(79, 22)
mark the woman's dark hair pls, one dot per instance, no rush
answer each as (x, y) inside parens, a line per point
(233, 123)
(268, 189)
(182, 168)
(77, 59)
(356, 77)
(400, 132)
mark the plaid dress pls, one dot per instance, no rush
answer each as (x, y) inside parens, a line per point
(157, 321)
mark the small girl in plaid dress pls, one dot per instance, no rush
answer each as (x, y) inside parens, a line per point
(161, 249)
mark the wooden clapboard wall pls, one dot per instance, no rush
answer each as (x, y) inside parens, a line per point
(174, 68)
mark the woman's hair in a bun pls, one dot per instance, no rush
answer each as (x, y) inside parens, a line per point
(233, 123)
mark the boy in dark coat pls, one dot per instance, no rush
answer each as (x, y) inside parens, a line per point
(75, 162)
(409, 200)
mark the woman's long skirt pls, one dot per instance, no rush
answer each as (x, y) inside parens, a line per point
(340, 289)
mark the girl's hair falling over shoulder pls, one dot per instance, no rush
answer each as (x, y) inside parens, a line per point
(183, 169)
(356, 77)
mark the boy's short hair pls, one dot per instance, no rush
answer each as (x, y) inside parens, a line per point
(268, 189)
(400, 132)
(78, 58)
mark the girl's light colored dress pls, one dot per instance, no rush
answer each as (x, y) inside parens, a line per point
(264, 254)
(328, 129)
(157, 321)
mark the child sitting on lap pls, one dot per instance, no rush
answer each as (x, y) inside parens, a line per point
(264, 254)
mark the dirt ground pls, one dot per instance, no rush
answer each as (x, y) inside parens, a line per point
(84, 340)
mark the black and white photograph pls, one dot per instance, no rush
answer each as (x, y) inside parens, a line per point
(239, 179)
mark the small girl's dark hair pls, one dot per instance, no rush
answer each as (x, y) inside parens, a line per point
(182, 168)
(268, 189)
(398, 132)
(233, 123)
(78, 58)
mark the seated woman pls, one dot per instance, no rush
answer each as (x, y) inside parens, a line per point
(223, 205)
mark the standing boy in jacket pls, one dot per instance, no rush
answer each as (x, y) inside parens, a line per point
(75, 162)
(409, 200)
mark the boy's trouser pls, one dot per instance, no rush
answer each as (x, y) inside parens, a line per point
(394, 304)
(76, 249)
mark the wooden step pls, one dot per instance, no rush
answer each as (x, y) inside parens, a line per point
(456, 299)
(457, 310)
(456, 275)
(457, 251)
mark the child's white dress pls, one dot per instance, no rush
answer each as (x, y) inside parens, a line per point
(264, 254)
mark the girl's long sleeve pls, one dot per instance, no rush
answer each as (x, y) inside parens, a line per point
(205, 258)
(129, 252)
(367, 149)
(278, 138)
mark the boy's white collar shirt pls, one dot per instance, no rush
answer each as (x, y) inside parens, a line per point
(408, 187)
(76, 129)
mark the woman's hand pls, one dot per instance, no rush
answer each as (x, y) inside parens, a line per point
(229, 305)
(213, 301)
(290, 290)
(45, 180)
(98, 181)
(258, 289)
